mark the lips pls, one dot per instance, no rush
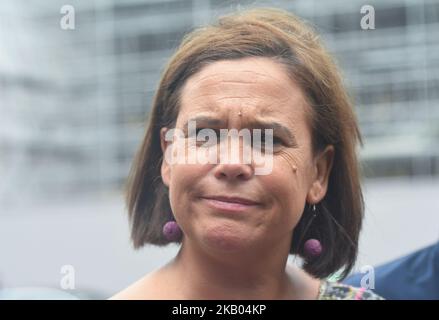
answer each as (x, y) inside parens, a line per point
(229, 199)
(230, 204)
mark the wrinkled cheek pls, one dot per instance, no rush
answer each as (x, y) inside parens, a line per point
(296, 166)
(178, 183)
(184, 188)
(288, 189)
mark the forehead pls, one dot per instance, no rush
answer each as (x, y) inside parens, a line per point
(257, 86)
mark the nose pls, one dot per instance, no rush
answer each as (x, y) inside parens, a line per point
(233, 171)
(229, 167)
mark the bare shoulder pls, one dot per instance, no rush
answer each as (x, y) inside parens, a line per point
(143, 289)
(304, 283)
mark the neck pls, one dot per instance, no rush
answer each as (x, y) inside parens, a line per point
(258, 275)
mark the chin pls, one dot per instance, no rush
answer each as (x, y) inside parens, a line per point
(226, 239)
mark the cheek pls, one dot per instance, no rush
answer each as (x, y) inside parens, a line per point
(182, 191)
(288, 187)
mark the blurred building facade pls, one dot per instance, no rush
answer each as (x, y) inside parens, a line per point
(73, 103)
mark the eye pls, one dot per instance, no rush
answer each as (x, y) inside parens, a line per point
(276, 140)
(207, 140)
(217, 132)
(194, 135)
(261, 144)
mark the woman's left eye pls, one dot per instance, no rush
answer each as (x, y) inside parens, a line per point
(276, 140)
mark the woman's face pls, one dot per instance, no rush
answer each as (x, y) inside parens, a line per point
(260, 90)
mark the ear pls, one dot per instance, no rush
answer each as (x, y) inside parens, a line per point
(322, 169)
(165, 168)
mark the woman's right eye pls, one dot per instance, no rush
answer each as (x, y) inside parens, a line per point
(207, 132)
(207, 137)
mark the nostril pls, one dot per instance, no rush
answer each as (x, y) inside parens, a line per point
(233, 171)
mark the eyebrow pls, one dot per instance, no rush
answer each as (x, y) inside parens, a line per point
(254, 124)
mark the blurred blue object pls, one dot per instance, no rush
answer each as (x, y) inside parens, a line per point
(35, 293)
(415, 276)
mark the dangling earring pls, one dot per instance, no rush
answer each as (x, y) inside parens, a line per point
(312, 247)
(171, 231)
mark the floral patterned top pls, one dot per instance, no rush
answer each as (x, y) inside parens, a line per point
(338, 291)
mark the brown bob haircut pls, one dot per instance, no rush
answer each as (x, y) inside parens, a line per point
(279, 35)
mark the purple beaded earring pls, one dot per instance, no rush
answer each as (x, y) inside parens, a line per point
(312, 247)
(171, 231)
